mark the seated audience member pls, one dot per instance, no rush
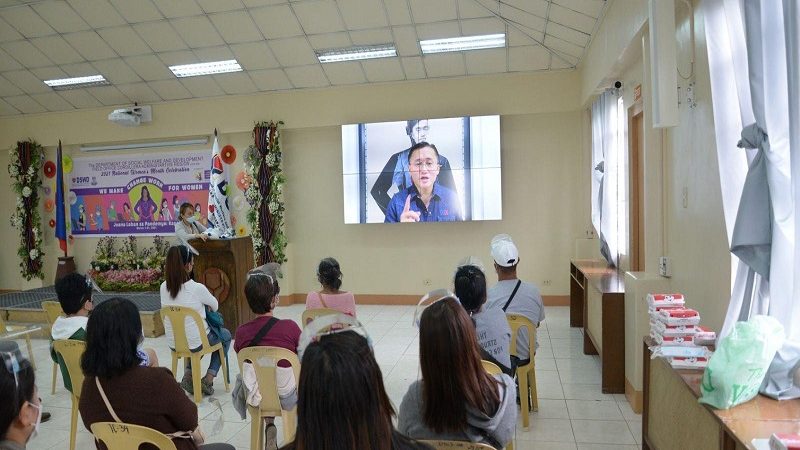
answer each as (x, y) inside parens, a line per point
(261, 290)
(117, 385)
(74, 293)
(342, 403)
(20, 405)
(456, 399)
(330, 277)
(180, 290)
(513, 295)
(491, 326)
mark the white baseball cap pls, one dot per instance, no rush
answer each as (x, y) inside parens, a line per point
(504, 251)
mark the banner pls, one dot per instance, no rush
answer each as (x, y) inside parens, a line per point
(137, 194)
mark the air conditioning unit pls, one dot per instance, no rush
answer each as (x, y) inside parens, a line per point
(131, 116)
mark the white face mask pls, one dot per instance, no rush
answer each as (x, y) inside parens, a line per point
(38, 420)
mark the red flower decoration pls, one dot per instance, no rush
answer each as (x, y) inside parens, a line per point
(49, 169)
(52, 223)
(233, 221)
(211, 209)
(49, 205)
(242, 181)
(71, 238)
(228, 154)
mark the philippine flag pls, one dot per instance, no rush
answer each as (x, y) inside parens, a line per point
(61, 219)
(219, 215)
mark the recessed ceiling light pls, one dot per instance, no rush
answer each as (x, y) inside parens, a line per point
(206, 68)
(64, 84)
(458, 44)
(356, 53)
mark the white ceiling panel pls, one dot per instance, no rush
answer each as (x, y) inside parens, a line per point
(257, 3)
(562, 46)
(384, 69)
(116, 71)
(489, 25)
(79, 69)
(61, 17)
(177, 58)
(372, 37)
(7, 62)
(52, 101)
(25, 104)
(49, 73)
(26, 54)
(108, 95)
(7, 110)
(90, 45)
(97, 13)
(57, 49)
(211, 6)
(405, 40)
(481, 62)
(557, 63)
(570, 35)
(398, 12)
(293, 52)
(149, 67)
(137, 11)
(531, 7)
(413, 67)
(307, 76)
(344, 73)
(178, 8)
(276, 22)
(270, 80)
(428, 11)
(330, 40)
(140, 92)
(444, 65)
(236, 27)
(516, 38)
(593, 8)
(318, 17)
(572, 19)
(472, 9)
(79, 98)
(532, 57)
(202, 86)
(160, 36)
(8, 88)
(438, 30)
(170, 89)
(221, 53)
(26, 21)
(235, 83)
(8, 33)
(254, 56)
(361, 14)
(124, 41)
(197, 32)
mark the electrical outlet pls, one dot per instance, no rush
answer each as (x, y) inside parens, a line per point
(546, 283)
(665, 266)
(427, 282)
(685, 197)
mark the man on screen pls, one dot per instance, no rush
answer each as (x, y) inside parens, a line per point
(396, 171)
(425, 200)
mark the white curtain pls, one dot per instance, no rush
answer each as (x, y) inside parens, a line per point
(605, 174)
(753, 59)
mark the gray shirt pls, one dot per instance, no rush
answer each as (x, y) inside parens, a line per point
(527, 302)
(494, 334)
(500, 426)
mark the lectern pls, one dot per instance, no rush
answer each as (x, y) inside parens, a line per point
(222, 267)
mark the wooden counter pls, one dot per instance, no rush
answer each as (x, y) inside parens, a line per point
(670, 404)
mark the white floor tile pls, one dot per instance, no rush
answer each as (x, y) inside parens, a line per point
(594, 410)
(602, 432)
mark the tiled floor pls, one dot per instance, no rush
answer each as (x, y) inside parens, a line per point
(573, 413)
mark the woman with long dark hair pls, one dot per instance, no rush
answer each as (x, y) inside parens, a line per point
(178, 289)
(329, 275)
(147, 396)
(456, 398)
(342, 403)
(20, 405)
(145, 207)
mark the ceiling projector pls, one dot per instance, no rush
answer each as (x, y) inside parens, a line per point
(131, 116)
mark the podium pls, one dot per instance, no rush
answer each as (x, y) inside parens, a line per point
(222, 267)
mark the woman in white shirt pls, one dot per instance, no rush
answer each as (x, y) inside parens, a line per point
(180, 290)
(187, 227)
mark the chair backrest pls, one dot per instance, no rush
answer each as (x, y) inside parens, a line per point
(313, 313)
(446, 445)
(515, 322)
(491, 367)
(265, 360)
(125, 436)
(3, 328)
(71, 351)
(177, 316)
(52, 310)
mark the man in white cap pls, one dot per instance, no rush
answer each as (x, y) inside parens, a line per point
(514, 295)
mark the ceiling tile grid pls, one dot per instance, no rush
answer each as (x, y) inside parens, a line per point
(133, 43)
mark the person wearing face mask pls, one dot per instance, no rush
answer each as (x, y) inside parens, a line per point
(187, 227)
(20, 405)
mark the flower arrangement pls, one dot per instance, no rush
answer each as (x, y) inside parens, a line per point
(264, 193)
(128, 269)
(25, 170)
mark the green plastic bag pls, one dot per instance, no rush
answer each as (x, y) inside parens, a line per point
(738, 366)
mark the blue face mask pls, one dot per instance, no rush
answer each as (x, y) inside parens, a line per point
(191, 219)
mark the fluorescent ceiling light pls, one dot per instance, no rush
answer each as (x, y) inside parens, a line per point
(77, 82)
(136, 145)
(356, 53)
(458, 44)
(207, 68)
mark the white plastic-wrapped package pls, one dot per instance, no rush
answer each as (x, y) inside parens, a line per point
(705, 336)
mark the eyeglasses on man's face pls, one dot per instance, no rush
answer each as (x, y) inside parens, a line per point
(428, 164)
